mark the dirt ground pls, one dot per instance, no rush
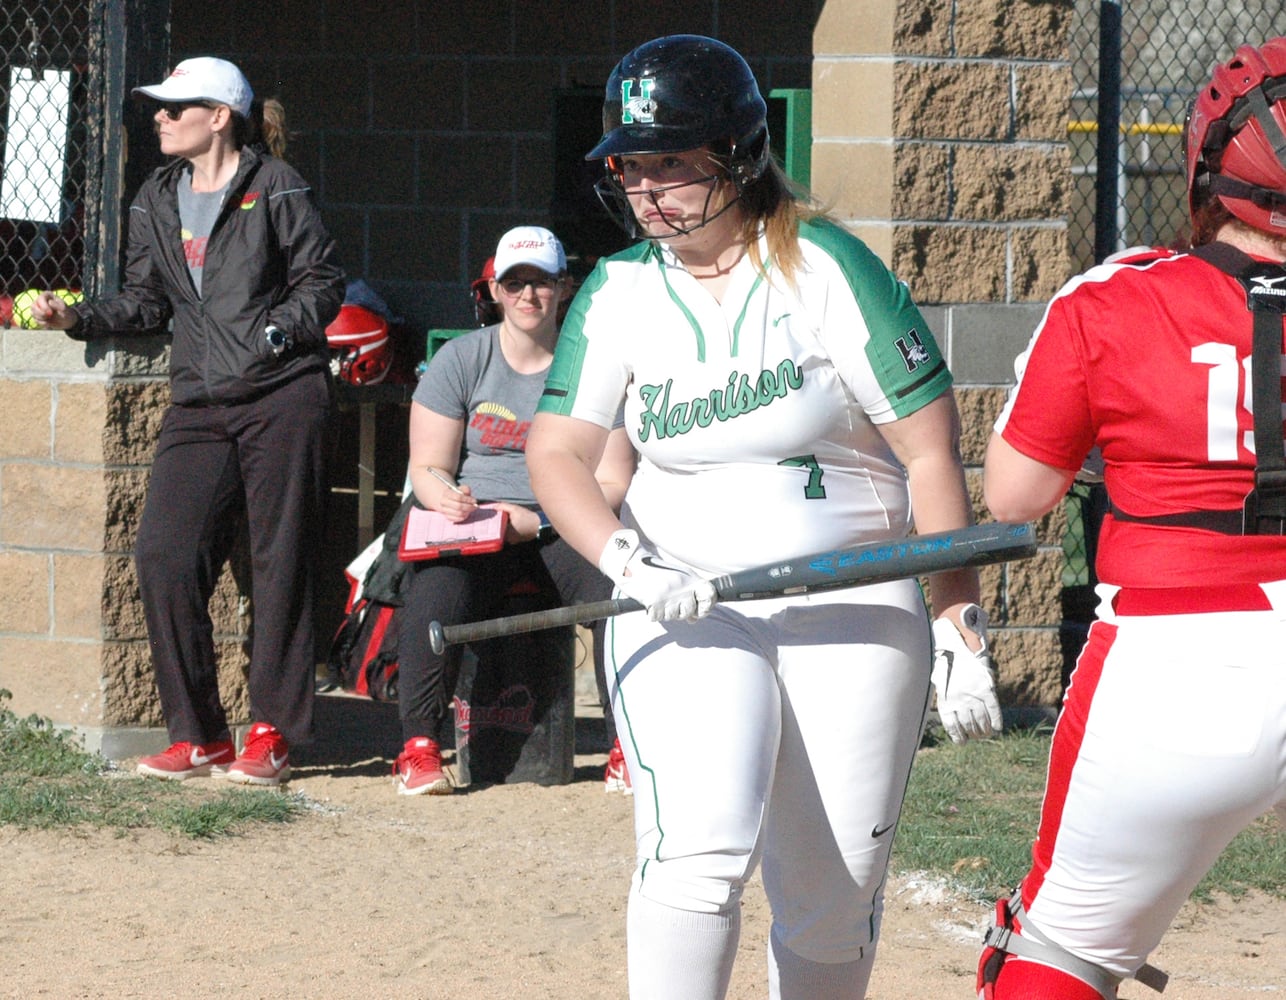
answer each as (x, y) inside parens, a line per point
(502, 891)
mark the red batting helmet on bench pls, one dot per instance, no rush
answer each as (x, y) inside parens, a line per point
(360, 351)
(485, 308)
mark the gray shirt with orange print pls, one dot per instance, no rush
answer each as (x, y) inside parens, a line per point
(470, 380)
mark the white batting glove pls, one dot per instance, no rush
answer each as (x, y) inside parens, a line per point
(964, 680)
(667, 592)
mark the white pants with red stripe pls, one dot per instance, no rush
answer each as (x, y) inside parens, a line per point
(1172, 740)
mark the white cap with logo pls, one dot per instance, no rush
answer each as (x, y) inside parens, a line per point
(204, 78)
(531, 245)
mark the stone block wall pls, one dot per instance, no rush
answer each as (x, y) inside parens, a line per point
(939, 137)
(81, 425)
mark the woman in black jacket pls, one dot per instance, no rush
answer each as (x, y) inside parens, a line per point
(227, 245)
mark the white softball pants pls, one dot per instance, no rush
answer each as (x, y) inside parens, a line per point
(782, 728)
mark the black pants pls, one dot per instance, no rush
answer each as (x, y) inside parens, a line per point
(471, 588)
(266, 460)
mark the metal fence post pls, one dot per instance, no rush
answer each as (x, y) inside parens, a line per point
(134, 37)
(1107, 198)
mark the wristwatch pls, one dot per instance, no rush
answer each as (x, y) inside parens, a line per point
(546, 531)
(279, 342)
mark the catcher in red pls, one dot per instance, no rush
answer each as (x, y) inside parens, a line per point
(1172, 734)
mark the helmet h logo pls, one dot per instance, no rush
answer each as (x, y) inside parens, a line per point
(641, 108)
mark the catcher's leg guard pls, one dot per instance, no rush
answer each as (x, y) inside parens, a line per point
(1008, 937)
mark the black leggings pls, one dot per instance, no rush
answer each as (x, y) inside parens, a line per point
(472, 588)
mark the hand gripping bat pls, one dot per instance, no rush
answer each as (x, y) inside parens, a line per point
(870, 562)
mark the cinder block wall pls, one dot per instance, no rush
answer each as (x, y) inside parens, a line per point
(939, 136)
(427, 126)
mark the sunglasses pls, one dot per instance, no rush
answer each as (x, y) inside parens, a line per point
(174, 111)
(515, 286)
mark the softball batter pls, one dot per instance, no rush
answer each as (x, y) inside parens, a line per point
(785, 397)
(1172, 736)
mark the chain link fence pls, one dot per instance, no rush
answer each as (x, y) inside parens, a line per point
(44, 166)
(1167, 49)
(1136, 66)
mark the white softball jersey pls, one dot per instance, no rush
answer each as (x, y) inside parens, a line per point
(773, 395)
(757, 424)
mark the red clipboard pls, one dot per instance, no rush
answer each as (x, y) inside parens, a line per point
(428, 534)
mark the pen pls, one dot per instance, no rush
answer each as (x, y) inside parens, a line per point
(444, 480)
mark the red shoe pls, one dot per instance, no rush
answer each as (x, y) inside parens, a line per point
(264, 759)
(418, 770)
(188, 760)
(617, 776)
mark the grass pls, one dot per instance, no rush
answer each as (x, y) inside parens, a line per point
(969, 817)
(48, 781)
(971, 813)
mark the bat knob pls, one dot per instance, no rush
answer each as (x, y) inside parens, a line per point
(437, 638)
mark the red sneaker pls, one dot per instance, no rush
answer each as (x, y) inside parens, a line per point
(188, 760)
(418, 770)
(617, 776)
(263, 760)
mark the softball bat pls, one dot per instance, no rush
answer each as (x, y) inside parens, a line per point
(870, 562)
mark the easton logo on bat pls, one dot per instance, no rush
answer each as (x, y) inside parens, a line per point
(831, 562)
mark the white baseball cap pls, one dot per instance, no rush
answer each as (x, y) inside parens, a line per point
(204, 78)
(533, 245)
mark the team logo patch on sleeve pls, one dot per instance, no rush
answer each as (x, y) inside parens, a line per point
(911, 347)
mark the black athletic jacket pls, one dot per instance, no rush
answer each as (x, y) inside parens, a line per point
(269, 261)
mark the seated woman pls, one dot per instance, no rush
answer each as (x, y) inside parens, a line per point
(468, 435)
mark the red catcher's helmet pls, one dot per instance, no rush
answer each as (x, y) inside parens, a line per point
(1236, 137)
(360, 351)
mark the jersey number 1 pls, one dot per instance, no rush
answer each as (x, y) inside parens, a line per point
(1222, 383)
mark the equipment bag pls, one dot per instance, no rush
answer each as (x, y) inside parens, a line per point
(363, 653)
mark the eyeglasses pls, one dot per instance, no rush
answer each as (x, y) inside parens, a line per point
(516, 286)
(174, 111)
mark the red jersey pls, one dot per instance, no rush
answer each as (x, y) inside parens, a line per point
(1148, 357)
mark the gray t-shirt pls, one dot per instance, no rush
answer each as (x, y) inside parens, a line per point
(198, 211)
(470, 380)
